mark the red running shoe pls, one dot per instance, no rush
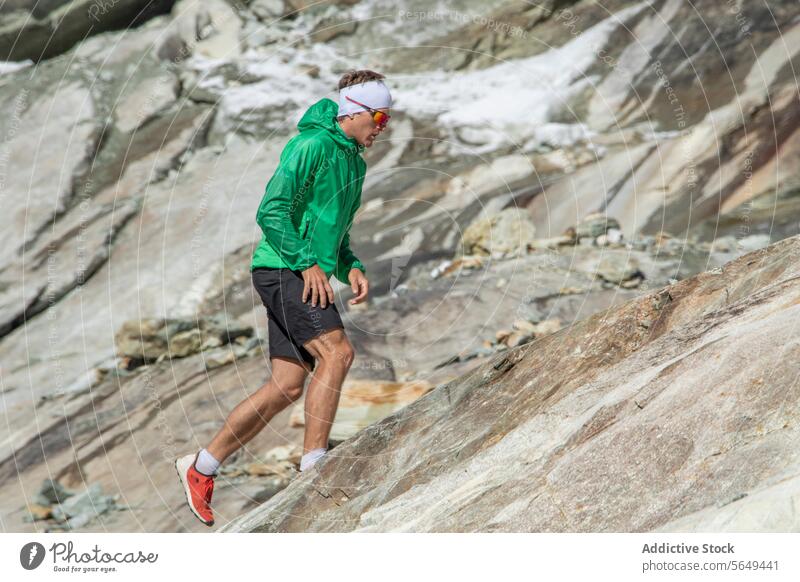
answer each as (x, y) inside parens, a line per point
(198, 488)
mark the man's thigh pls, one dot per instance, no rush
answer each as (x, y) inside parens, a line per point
(301, 322)
(288, 372)
(282, 346)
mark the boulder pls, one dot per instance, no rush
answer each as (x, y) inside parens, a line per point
(595, 224)
(209, 29)
(267, 10)
(507, 233)
(83, 507)
(618, 267)
(148, 340)
(364, 402)
(51, 492)
(38, 512)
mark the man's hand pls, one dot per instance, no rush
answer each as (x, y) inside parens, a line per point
(360, 285)
(316, 284)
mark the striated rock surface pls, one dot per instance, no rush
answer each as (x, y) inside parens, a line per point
(660, 413)
(634, 143)
(31, 29)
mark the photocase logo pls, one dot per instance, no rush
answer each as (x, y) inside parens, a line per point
(31, 555)
(402, 255)
(398, 266)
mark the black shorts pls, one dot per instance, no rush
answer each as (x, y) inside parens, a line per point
(291, 322)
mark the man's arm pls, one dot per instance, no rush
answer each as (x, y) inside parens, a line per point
(346, 261)
(286, 188)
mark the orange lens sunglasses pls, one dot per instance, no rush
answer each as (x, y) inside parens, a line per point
(379, 117)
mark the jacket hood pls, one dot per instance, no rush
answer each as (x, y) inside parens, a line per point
(322, 115)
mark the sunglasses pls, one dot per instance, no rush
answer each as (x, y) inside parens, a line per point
(379, 117)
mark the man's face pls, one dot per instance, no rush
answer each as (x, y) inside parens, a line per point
(364, 129)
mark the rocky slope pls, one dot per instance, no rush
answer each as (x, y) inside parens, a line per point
(160, 398)
(676, 411)
(545, 163)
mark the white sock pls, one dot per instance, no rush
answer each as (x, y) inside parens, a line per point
(310, 458)
(206, 463)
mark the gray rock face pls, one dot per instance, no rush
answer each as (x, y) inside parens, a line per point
(141, 143)
(209, 28)
(41, 30)
(610, 424)
(131, 167)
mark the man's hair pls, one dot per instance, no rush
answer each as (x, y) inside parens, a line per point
(353, 77)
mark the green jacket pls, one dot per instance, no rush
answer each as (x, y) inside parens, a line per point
(311, 199)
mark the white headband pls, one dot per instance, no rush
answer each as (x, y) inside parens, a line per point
(373, 94)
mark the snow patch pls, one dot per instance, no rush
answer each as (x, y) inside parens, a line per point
(11, 66)
(508, 103)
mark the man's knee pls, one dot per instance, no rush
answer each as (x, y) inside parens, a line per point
(332, 347)
(287, 391)
(293, 392)
(288, 377)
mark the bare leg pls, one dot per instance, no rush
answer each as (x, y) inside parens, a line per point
(334, 355)
(254, 412)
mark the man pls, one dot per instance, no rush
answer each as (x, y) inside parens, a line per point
(305, 218)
